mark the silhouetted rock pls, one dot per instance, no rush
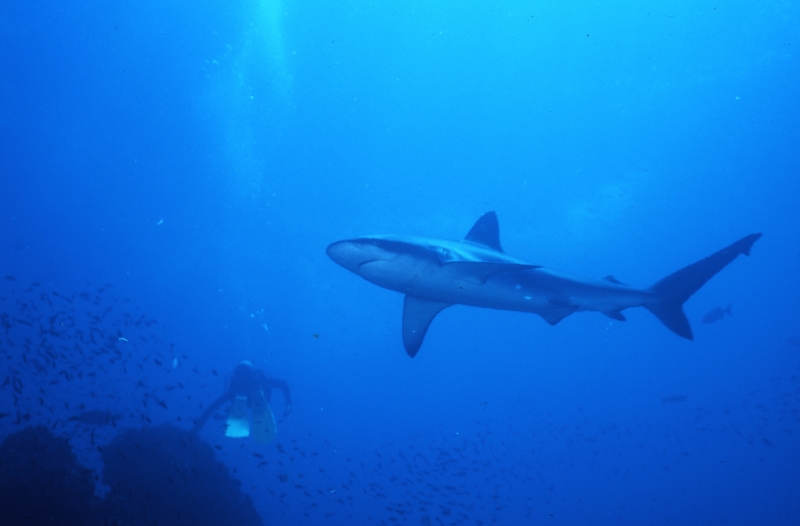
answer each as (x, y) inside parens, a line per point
(166, 476)
(41, 481)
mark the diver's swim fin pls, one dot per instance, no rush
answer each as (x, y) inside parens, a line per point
(264, 429)
(238, 426)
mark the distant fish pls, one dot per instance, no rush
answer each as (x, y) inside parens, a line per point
(97, 417)
(674, 399)
(716, 314)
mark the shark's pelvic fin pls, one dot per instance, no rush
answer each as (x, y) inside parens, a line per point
(671, 292)
(558, 311)
(417, 317)
(486, 232)
(615, 315)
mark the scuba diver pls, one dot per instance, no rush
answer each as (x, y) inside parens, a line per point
(249, 388)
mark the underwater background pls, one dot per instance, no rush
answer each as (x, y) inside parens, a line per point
(172, 172)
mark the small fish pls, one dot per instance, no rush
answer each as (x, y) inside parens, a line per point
(674, 399)
(716, 314)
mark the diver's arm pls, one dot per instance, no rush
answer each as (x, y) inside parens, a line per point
(216, 404)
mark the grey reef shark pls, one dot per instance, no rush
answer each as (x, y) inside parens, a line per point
(436, 273)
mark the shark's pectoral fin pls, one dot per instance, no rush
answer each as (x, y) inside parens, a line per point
(615, 315)
(417, 317)
(477, 272)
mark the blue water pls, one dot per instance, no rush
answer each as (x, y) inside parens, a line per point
(194, 159)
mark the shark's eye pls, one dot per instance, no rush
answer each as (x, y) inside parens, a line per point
(443, 253)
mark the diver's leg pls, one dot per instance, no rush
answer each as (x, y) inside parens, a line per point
(210, 410)
(264, 430)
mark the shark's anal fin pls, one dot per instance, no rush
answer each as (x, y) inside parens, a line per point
(417, 317)
(477, 272)
(486, 232)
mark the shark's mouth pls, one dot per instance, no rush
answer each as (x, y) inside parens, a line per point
(369, 261)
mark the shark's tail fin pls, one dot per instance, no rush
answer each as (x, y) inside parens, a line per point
(670, 293)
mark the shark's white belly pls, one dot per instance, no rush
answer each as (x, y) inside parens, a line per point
(534, 290)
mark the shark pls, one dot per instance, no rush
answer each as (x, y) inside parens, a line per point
(434, 274)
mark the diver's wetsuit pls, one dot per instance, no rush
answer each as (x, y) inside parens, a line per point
(247, 381)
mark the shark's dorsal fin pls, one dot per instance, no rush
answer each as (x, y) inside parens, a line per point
(486, 232)
(612, 279)
(417, 317)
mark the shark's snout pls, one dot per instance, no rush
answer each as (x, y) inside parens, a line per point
(352, 254)
(339, 252)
